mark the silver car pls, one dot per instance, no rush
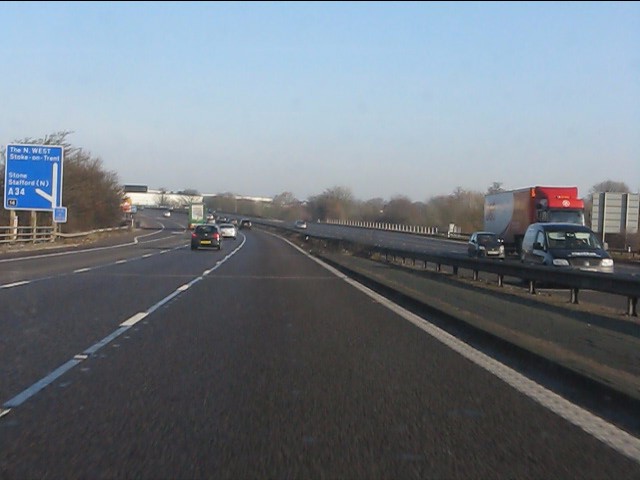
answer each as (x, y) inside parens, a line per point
(228, 230)
(485, 244)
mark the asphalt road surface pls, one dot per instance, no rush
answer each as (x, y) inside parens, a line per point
(153, 361)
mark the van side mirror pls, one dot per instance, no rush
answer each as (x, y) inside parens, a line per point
(538, 246)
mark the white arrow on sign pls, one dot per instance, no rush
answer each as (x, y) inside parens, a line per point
(54, 188)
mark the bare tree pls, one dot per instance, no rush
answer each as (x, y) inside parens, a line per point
(400, 209)
(284, 199)
(162, 199)
(334, 203)
(495, 187)
(609, 186)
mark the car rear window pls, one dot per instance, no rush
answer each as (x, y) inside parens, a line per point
(485, 239)
(206, 229)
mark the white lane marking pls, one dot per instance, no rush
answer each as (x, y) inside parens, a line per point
(604, 431)
(147, 255)
(124, 326)
(4, 411)
(131, 321)
(119, 262)
(81, 270)
(40, 384)
(97, 346)
(15, 284)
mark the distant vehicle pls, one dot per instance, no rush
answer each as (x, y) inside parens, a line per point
(485, 244)
(300, 224)
(196, 215)
(228, 230)
(245, 223)
(565, 245)
(210, 217)
(206, 236)
(166, 214)
(508, 214)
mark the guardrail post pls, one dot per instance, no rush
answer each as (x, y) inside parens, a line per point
(532, 287)
(438, 267)
(574, 296)
(501, 280)
(632, 304)
(475, 274)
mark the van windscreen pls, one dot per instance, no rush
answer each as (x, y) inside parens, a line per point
(573, 240)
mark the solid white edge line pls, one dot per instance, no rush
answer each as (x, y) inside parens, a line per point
(15, 284)
(597, 427)
(134, 319)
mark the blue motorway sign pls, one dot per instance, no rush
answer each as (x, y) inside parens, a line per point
(60, 214)
(33, 177)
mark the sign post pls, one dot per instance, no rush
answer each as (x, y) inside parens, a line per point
(33, 177)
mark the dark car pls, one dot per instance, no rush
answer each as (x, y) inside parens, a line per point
(206, 236)
(485, 244)
(245, 223)
(565, 245)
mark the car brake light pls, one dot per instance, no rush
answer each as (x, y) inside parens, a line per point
(216, 236)
(193, 235)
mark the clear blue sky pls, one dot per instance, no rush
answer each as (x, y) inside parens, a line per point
(386, 99)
